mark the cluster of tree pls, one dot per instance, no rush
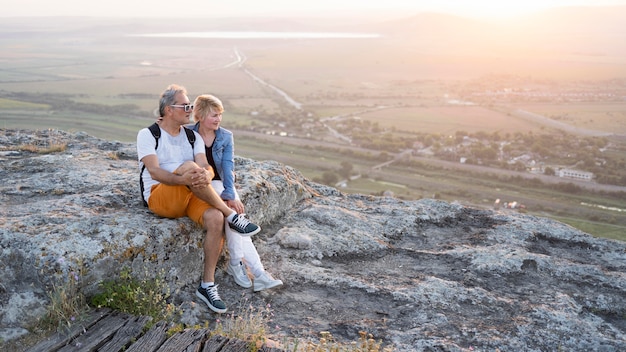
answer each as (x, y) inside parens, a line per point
(331, 177)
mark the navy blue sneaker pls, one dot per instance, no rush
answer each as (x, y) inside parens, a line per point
(210, 296)
(242, 225)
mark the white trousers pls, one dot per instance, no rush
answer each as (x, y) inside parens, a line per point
(240, 247)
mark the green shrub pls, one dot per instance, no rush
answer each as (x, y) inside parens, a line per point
(145, 297)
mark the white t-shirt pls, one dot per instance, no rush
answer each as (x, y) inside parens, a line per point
(172, 152)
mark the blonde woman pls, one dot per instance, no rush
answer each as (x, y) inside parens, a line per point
(219, 144)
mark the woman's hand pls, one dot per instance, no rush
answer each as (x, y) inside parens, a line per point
(236, 205)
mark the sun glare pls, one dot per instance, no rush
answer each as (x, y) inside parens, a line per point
(495, 9)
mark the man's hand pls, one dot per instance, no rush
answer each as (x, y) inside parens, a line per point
(198, 177)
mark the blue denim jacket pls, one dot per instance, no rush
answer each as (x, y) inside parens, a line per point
(224, 157)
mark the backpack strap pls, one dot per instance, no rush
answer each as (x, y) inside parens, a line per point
(191, 137)
(156, 133)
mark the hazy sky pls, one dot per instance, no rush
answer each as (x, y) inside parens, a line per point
(205, 8)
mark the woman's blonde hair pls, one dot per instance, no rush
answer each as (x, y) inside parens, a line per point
(205, 104)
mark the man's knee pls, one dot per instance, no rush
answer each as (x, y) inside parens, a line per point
(213, 218)
(186, 166)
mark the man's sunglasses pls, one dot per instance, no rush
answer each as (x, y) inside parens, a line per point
(187, 107)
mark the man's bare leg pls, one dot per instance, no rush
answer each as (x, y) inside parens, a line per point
(213, 242)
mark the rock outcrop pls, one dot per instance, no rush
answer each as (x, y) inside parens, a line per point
(419, 275)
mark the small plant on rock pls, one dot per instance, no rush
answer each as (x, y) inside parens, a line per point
(141, 297)
(67, 304)
(248, 323)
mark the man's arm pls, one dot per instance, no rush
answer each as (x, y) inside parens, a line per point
(157, 173)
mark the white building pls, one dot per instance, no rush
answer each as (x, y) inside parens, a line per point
(579, 175)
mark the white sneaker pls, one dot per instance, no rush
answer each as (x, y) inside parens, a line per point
(240, 274)
(265, 281)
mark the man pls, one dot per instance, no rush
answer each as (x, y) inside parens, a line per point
(178, 183)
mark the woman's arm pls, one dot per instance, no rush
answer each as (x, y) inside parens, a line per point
(227, 164)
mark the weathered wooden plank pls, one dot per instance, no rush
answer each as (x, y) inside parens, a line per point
(215, 343)
(189, 340)
(151, 340)
(235, 345)
(98, 334)
(126, 334)
(58, 340)
(107, 331)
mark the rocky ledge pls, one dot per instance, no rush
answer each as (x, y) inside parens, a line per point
(418, 275)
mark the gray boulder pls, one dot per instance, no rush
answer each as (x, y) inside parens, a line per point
(418, 275)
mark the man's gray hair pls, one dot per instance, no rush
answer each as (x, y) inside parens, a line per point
(168, 97)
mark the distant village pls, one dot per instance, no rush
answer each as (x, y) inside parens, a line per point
(591, 158)
(510, 89)
(503, 157)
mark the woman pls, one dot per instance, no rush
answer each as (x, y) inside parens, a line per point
(219, 146)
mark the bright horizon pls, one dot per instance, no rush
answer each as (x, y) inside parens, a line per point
(284, 8)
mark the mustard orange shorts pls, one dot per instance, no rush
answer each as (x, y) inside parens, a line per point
(176, 202)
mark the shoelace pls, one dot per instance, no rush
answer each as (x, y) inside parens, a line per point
(212, 291)
(241, 222)
(243, 270)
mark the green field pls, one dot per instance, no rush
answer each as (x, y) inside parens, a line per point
(603, 116)
(607, 230)
(449, 119)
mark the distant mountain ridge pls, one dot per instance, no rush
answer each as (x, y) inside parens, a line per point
(568, 29)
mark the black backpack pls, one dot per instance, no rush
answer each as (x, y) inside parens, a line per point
(156, 133)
